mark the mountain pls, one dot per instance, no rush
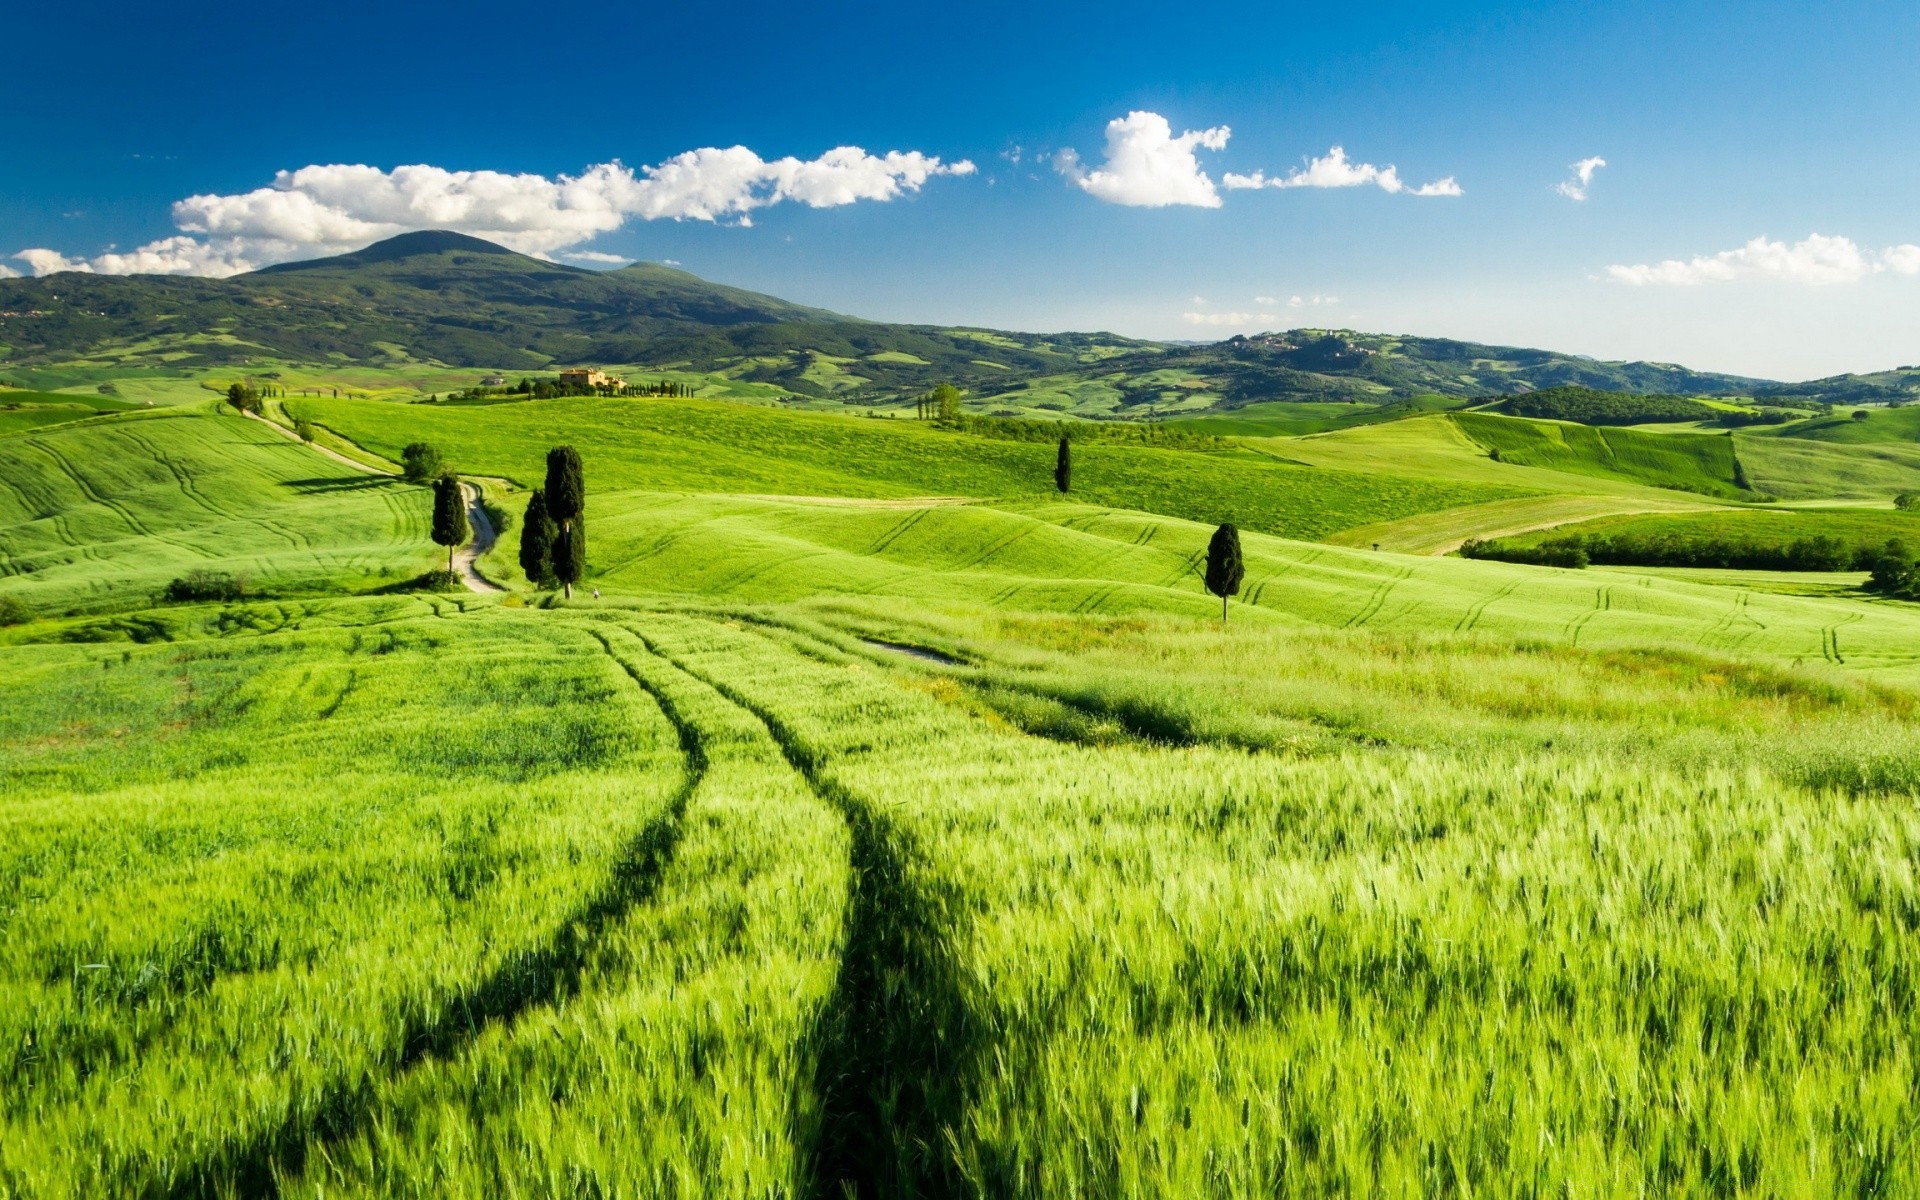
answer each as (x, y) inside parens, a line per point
(461, 301)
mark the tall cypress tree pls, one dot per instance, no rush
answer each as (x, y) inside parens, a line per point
(537, 534)
(449, 515)
(1063, 466)
(566, 494)
(1225, 569)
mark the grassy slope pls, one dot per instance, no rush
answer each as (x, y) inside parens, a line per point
(1066, 558)
(1686, 462)
(1797, 469)
(94, 515)
(1767, 527)
(1882, 425)
(681, 445)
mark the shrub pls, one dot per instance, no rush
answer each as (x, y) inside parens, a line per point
(198, 586)
(420, 462)
(14, 611)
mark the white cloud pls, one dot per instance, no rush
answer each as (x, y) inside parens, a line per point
(1336, 170)
(1228, 318)
(1268, 301)
(1147, 166)
(1817, 260)
(1196, 300)
(596, 256)
(1903, 260)
(1316, 301)
(47, 262)
(319, 210)
(7, 272)
(1576, 188)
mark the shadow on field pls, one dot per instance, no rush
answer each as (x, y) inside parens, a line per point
(540, 976)
(897, 1049)
(358, 483)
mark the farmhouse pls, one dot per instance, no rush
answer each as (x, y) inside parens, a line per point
(589, 377)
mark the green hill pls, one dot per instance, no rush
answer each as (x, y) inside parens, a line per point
(105, 514)
(1689, 462)
(427, 299)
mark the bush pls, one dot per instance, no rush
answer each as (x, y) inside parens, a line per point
(305, 429)
(1561, 552)
(1907, 501)
(197, 586)
(420, 462)
(14, 611)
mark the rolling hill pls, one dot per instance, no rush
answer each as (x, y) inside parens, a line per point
(448, 299)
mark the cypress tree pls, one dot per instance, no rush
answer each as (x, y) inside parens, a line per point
(537, 534)
(1225, 570)
(566, 495)
(570, 553)
(449, 515)
(1063, 466)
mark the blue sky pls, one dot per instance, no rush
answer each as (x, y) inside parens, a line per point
(1756, 211)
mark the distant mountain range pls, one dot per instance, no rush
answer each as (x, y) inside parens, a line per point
(457, 300)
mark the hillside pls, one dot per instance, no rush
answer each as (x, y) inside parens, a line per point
(447, 299)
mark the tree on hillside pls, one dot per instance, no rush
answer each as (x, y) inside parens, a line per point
(537, 534)
(566, 495)
(243, 398)
(449, 515)
(1861, 414)
(420, 462)
(1225, 569)
(1063, 466)
(945, 402)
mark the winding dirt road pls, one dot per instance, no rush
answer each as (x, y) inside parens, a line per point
(463, 558)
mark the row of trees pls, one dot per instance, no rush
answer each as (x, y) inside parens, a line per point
(1820, 552)
(553, 534)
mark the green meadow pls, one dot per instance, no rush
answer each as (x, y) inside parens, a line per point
(892, 824)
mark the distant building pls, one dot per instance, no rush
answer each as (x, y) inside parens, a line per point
(589, 377)
(494, 381)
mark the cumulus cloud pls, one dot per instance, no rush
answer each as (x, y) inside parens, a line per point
(1269, 301)
(1147, 166)
(1576, 188)
(46, 262)
(1817, 260)
(330, 209)
(1315, 301)
(7, 272)
(1902, 260)
(1335, 170)
(595, 256)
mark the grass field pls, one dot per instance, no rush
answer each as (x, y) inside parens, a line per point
(1859, 529)
(793, 912)
(99, 515)
(699, 446)
(895, 826)
(1684, 461)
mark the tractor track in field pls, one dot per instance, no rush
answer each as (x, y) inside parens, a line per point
(1377, 601)
(899, 530)
(1830, 638)
(532, 979)
(1602, 602)
(897, 1046)
(1473, 615)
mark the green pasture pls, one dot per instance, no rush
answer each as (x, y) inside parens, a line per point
(739, 901)
(692, 445)
(104, 514)
(1680, 461)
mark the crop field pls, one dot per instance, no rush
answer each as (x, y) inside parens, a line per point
(1685, 461)
(888, 824)
(1863, 530)
(691, 445)
(92, 515)
(794, 913)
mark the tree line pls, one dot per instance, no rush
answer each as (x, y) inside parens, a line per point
(1821, 552)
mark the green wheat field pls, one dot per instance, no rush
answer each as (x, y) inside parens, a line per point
(877, 820)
